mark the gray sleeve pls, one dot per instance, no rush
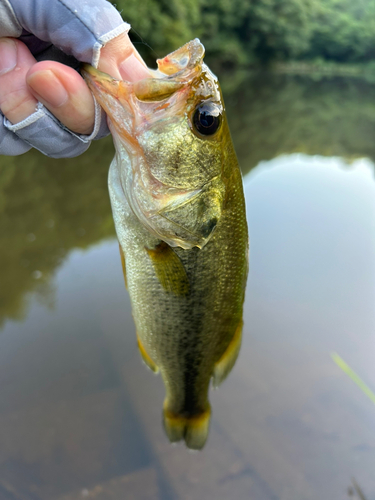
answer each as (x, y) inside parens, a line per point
(9, 25)
(42, 131)
(11, 144)
(78, 28)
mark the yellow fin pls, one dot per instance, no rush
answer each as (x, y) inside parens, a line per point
(122, 255)
(227, 360)
(146, 358)
(193, 429)
(169, 269)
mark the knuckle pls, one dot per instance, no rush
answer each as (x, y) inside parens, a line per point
(17, 104)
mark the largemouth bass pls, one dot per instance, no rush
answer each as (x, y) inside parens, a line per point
(178, 205)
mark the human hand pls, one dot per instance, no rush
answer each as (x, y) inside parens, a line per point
(47, 104)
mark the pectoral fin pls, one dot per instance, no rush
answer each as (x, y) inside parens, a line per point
(122, 255)
(146, 358)
(169, 269)
(227, 360)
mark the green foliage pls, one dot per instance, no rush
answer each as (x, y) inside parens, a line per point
(246, 32)
(240, 31)
(281, 29)
(164, 24)
(343, 30)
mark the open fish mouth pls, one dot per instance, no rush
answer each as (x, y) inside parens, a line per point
(174, 71)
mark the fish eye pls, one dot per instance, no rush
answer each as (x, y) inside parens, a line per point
(207, 119)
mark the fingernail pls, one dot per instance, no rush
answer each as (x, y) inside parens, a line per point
(8, 55)
(132, 69)
(48, 87)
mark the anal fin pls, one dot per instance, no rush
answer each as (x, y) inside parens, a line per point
(146, 358)
(169, 269)
(227, 360)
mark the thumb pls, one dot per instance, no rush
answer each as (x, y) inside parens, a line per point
(120, 59)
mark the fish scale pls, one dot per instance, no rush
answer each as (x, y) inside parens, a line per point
(180, 218)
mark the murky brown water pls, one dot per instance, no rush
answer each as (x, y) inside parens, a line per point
(80, 416)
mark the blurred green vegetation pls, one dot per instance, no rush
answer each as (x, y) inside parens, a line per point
(50, 207)
(247, 32)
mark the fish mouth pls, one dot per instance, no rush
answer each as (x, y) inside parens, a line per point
(152, 91)
(174, 72)
(130, 105)
(185, 58)
(137, 105)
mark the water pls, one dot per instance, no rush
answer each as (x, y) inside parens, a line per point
(80, 416)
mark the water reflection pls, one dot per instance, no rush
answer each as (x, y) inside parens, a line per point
(80, 415)
(48, 207)
(282, 114)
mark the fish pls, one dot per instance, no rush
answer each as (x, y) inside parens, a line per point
(179, 211)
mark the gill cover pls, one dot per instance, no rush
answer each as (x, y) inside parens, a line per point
(162, 106)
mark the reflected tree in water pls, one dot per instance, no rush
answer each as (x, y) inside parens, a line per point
(270, 115)
(47, 208)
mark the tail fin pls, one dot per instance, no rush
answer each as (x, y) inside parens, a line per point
(193, 429)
